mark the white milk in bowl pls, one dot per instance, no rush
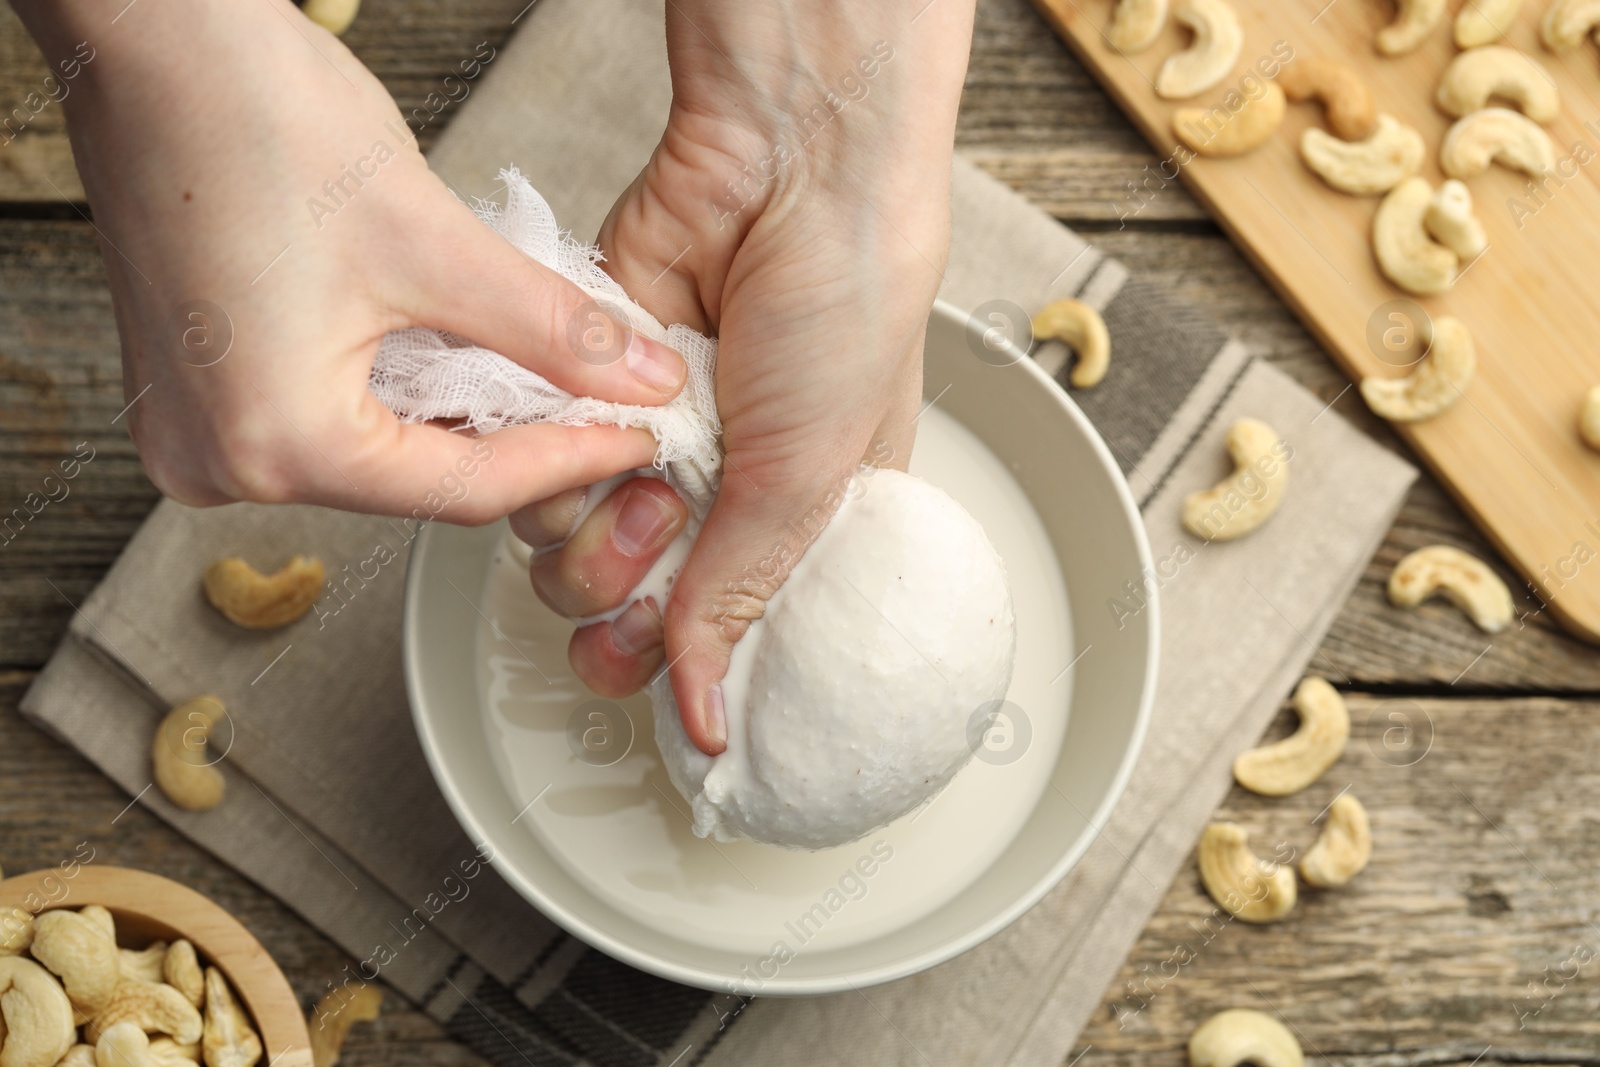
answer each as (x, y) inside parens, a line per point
(621, 829)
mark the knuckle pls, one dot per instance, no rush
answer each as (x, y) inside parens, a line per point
(250, 476)
(476, 511)
(549, 521)
(251, 458)
(556, 307)
(723, 617)
(570, 585)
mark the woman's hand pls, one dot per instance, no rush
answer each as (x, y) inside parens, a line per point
(798, 208)
(266, 218)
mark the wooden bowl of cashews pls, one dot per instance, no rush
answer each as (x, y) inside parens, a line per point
(226, 996)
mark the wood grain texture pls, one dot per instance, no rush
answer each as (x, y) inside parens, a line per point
(411, 49)
(1481, 878)
(1032, 116)
(1509, 451)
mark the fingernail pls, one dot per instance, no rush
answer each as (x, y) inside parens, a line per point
(655, 365)
(637, 630)
(643, 523)
(716, 716)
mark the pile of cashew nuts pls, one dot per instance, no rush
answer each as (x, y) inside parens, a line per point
(158, 1006)
(70, 996)
(62, 970)
(1423, 239)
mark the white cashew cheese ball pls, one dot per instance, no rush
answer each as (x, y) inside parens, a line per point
(849, 701)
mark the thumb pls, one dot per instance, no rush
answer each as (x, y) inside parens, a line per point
(762, 521)
(750, 541)
(476, 284)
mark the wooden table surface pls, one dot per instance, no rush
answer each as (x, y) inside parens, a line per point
(1468, 939)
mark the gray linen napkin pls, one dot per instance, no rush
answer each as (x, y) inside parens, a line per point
(330, 804)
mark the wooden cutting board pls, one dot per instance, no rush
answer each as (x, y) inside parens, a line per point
(1510, 451)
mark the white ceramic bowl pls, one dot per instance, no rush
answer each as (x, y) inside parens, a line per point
(1089, 517)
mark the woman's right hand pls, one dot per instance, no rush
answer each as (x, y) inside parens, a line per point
(597, 567)
(258, 194)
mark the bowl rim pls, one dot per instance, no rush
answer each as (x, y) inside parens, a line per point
(256, 979)
(915, 963)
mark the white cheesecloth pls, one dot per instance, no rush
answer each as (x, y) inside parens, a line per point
(422, 374)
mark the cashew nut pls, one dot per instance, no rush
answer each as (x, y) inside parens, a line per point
(123, 1045)
(1288, 766)
(77, 951)
(1437, 383)
(78, 1056)
(1414, 20)
(1482, 22)
(1342, 849)
(1136, 24)
(1466, 581)
(178, 755)
(1344, 96)
(38, 1015)
(181, 969)
(1496, 135)
(263, 602)
(1241, 1035)
(145, 964)
(335, 16)
(229, 1040)
(1567, 22)
(1405, 253)
(332, 1018)
(1248, 497)
(1242, 885)
(1391, 153)
(165, 1052)
(1496, 71)
(1217, 40)
(157, 1009)
(1449, 219)
(1588, 420)
(101, 918)
(16, 930)
(1220, 132)
(1080, 326)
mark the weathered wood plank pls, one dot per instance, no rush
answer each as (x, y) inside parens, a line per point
(411, 47)
(60, 389)
(1481, 878)
(1032, 116)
